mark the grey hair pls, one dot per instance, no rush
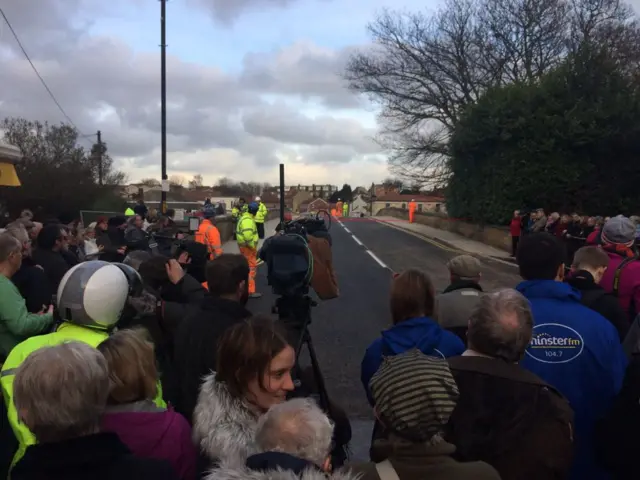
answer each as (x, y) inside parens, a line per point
(18, 231)
(8, 245)
(60, 392)
(297, 427)
(501, 325)
(137, 258)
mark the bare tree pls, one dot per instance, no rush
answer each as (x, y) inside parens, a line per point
(150, 182)
(176, 181)
(425, 69)
(196, 182)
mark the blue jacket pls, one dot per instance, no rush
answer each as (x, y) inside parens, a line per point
(577, 351)
(422, 333)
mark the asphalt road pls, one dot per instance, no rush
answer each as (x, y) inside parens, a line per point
(343, 328)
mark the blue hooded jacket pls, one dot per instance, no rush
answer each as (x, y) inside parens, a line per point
(422, 333)
(577, 351)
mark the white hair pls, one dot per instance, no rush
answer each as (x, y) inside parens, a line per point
(297, 427)
(60, 392)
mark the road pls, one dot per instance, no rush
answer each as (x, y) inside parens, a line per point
(365, 254)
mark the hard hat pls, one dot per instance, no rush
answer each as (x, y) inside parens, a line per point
(129, 212)
(257, 199)
(252, 208)
(93, 294)
(209, 210)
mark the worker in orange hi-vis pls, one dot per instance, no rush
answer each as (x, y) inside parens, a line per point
(339, 208)
(209, 235)
(412, 210)
(247, 238)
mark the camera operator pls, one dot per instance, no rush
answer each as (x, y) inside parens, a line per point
(198, 334)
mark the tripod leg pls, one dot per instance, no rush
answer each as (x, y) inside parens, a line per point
(317, 373)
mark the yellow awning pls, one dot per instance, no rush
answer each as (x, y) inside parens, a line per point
(8, 175)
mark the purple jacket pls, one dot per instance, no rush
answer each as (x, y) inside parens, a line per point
(151, 432)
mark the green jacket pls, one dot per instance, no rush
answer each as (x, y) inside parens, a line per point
(261, 215)
(66, 332)
(16, 323)
(247, 231)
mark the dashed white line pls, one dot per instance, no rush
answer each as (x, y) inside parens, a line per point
(346, 229)
(380, 262)
(357, 240)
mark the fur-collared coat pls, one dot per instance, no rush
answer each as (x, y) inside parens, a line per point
(243, 473)
(223, 427)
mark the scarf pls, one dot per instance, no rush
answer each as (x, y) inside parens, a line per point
(618, 249)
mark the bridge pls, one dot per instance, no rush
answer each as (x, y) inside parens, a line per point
(366, 253)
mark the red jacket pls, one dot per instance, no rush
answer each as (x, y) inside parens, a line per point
(515, 229)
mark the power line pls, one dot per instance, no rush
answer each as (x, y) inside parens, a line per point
(44, 84)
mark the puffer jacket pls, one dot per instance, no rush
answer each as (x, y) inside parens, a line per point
(223, 426)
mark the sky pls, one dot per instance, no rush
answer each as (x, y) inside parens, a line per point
(250, 84)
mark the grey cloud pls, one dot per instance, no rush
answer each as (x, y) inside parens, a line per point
(301, 69)
(227, 11)
(280, 123)
(103, 85)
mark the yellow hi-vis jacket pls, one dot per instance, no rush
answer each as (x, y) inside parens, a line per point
(261, 215)
(235, 211)
(67, 332)
(247, 231)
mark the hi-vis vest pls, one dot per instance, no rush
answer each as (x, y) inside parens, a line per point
(66, 332)
(247, 231)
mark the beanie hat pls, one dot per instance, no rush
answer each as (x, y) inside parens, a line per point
(619, 230)
(414, 395)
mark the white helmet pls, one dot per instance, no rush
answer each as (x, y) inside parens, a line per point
(93, 294)
(257, 199)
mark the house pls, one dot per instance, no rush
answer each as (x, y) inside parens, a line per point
(397, 200)
(299, 198)
(360, 205)
(318, 191)
(315, 205)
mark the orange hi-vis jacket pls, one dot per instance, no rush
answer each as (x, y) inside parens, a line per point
(209, 235)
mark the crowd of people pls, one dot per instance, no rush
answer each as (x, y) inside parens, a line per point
(151, 366)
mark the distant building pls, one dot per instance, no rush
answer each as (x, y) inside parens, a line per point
(316, 191)
(360, 205)
(315, 205)
(424, 203)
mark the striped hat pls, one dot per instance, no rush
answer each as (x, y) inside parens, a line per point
(414, 395)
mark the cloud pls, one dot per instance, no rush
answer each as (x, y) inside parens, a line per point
(284, 105)
(301, 69)
(227, 11)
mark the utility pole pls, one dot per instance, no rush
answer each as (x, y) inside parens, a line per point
(163, 100)
(100, 153)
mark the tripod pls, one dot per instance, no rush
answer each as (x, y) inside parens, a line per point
(295, 314)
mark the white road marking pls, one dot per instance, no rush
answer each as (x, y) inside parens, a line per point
(346, 229)
(380, 262)
(357, 240)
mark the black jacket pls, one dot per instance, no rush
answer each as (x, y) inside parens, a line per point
(54, 265)
(618, 431)
(98, 457)
(195, 349)
(111, 240)
(33, 285)
(521, 425)
(597, 299)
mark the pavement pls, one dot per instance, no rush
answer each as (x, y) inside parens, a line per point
(366, 252)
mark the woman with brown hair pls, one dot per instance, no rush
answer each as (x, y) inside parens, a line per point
(412, 305)
(254, 363)
(148, 431)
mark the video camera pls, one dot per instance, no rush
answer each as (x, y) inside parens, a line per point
(288, 256)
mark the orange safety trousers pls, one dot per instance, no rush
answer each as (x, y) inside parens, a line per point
(411, 215)
(251, 254)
